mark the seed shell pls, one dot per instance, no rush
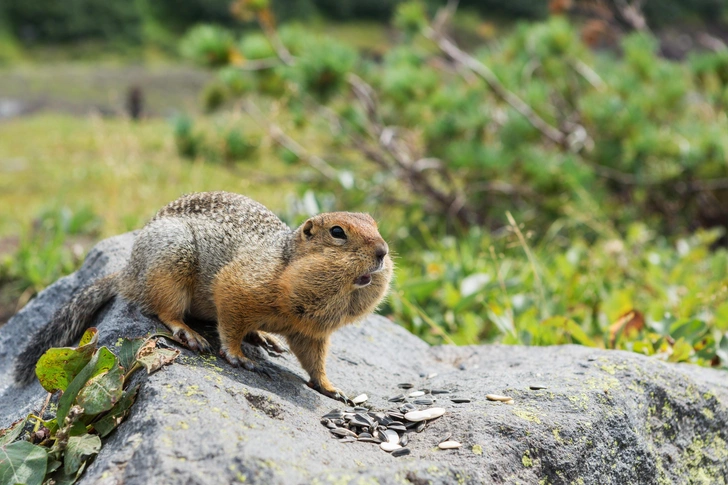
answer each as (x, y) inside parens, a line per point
(388, 447)
(401, 452)
(360, 399)
(343, 432)
(405, 385)
(449, 445)
(498, 397)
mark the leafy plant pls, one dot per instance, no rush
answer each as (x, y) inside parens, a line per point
(95, 397)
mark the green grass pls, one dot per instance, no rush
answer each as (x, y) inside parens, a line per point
(123, 170)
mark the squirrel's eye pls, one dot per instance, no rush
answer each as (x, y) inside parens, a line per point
(337, 232)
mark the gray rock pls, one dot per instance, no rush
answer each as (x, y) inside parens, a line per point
(604, 417)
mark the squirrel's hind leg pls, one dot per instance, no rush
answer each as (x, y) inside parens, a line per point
(170, 298)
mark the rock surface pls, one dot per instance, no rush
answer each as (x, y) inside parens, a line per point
(604, 416)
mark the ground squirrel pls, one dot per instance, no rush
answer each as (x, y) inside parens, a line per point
(224, 257)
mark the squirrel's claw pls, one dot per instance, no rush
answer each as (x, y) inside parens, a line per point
(191, 339)
(335, 394)
(267, 342)
(247, 364)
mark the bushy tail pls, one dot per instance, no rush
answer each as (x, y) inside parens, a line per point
(66, 326)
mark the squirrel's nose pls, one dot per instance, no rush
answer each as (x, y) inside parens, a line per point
(381, 251)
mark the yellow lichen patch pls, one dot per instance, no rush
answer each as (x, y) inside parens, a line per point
(477, 449)
(708, 413)
(527, 415)
(580, 401)
(526, 459)
(193, 390)
(601, 384)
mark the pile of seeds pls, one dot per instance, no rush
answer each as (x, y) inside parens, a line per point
(390, 428)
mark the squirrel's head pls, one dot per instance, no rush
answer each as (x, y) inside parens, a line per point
(349, 242)
(339, 269)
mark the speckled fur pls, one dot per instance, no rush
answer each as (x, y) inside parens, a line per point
(224, 257)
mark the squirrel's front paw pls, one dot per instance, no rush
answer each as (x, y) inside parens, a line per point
(239, 360)
(333, 393)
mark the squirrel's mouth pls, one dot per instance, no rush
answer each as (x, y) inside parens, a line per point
(363, 280)
(366, 278)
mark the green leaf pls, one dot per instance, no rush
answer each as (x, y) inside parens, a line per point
(690, 330)
(577, 333)
(102, 391)
(79, 449)
(128, 351)
(12, 434)
(102, 361)
(59, 366)
(681, 351)
(116, 415)
(22, 462)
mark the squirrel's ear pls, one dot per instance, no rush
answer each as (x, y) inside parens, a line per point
(307, 229)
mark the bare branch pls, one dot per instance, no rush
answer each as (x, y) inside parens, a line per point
(259, 64)
(458, 55)
(632, 14)
(710, 42)
(277, 134)
(589, 74)
(266, 23)
(412, 170)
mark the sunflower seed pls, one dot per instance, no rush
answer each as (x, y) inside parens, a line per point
(397, 427)
(401, 452)
(460, 399)
(338, 422)
(421, 426)
(424, 414)
(407, 407)
(388, 447)
(423, 401)
(440, 391)
(536, 388)
(405, 385)
(343, 432)
(360, 409)
(369, 440)
(360, 399)
(334, 414)
(404, 439)
(416, 393)
(497, 397)
(395, 415)
(364, 435)
(397, 398)
(390, 435)
(325, 421)
(449, 445)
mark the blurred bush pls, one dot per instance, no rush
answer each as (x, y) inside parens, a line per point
(48, 21)
(503, 232)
